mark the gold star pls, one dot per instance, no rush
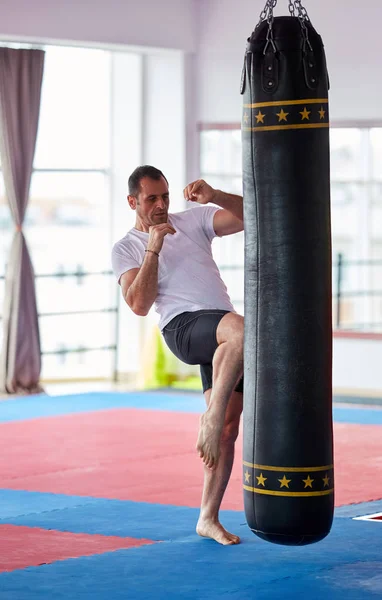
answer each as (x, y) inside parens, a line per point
(321, 113)
(282, 115)
(284, 482)
(246, 118)
(305, 114)
(247, 476)
(261, 479)
(260, 117)
(308, 482)
(326, 480)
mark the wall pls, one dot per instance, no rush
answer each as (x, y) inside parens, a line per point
(164, 24)
(353, 44)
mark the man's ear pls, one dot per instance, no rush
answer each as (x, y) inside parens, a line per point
(132, 202)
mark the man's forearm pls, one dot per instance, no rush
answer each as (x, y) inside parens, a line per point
(230, 202)
(144, 289)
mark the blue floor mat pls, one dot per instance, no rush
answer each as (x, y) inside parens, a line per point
(33, 407)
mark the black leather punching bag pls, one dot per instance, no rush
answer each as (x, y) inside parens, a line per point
(288, 440)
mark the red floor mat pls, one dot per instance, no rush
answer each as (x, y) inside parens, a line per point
(149, 456)
(22, 547)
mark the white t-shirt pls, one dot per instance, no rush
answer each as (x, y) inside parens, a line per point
(188, 277)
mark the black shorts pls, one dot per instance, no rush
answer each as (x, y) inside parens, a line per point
(191, 336)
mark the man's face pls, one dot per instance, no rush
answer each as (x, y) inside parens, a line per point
(152, 201)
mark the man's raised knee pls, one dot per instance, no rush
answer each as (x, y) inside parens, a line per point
(231, 329)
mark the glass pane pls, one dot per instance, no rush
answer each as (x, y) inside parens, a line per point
(232, 185)
(75, 110)
(75, 366)
(347, 203)
(62, 292)
(77, 332)
(346, 158)
(375, 276)
(220, 152)
(67, 222)
(345, 200)
(376, 284)
(376, 194)
(376, 149)
(376, 212)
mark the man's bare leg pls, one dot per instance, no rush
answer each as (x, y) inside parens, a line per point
(227, 369)
(216, 480)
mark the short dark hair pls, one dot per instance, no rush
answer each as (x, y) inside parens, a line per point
(139, 173)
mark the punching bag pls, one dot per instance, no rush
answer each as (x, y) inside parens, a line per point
(288, 439)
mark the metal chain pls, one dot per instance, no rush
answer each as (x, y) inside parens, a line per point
(303, 18)
(267, 12)
(263, 14)
(295, 6)
(301, 10)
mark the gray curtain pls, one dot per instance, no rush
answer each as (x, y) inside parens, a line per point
(21, 73)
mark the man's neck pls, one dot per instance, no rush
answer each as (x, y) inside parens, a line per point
(141, 226)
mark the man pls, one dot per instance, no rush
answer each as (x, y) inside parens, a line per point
(166, 260)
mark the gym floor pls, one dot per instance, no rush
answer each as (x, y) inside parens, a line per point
(99, 500)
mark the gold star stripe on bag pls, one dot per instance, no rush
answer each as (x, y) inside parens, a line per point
(310, 113)
(288, 481)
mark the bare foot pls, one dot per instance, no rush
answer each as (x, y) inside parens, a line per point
(213, 529)
(208, 443)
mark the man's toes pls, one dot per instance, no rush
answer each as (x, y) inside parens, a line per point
(209, 462)
(234, 538)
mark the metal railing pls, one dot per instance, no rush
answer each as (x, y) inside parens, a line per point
(340, 296)
(80, 275)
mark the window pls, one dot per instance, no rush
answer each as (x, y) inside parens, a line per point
(220, 152)
(67, 224)
(68, 219)
(74, 126)
(356, 212)
(356, 223)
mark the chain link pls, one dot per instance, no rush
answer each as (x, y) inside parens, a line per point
(303, 18)
(267, 15)
(267, 12)
(295, 6)
(301, 10)
(263, 14)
